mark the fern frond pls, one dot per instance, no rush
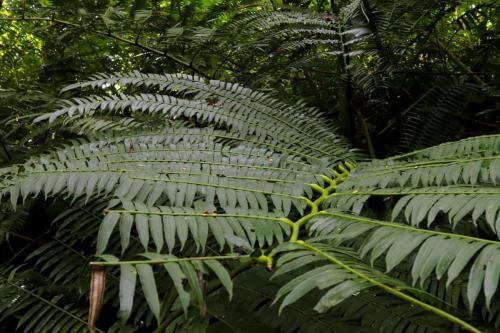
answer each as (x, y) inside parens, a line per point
(166, 224)
(226, 105)
(188, 169)
(266, 20)
(445, 253)
(254, 294)
(343, 275)
(186, 190)
(39, 310)
(434, 117)
(458, 179)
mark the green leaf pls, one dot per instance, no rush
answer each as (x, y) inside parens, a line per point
(339, 293)
(477, 274)
(177, 277)
(126, 222)
(128, 276)
(193, 282)
(142, 227)
(148, 284)
(155, 224)
(491, 278)
(105, 230)
(222, 274)
(169, 231)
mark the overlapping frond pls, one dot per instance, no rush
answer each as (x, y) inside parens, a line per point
(211, 178)
(172, 189)
(368, 311)
(340, 271)
(254, 294)
(434, 117)
(235, 182)
(276, 43)
(225, 105)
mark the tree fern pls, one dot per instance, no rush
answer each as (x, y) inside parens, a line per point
(207, 181)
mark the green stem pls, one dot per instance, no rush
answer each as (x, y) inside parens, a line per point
(391, 290)
(276, 180)
(221, 186)
(406, 227)
(423, 150)
(158, 262)
(190, 149)
(410, 193)
(259, 167)
(209, 215)
(427, 164)
(314, 205)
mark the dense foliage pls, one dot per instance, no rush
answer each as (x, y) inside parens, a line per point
(312, 167)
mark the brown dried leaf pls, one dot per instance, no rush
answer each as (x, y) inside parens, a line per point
(97, 286)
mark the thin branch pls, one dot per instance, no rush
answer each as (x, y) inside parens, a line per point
(458, 62)
(112, 36)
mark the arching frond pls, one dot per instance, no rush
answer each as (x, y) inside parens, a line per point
(225, 105)
(235, 182)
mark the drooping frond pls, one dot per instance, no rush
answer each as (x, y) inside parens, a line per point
(254, 294)
(178, 269)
